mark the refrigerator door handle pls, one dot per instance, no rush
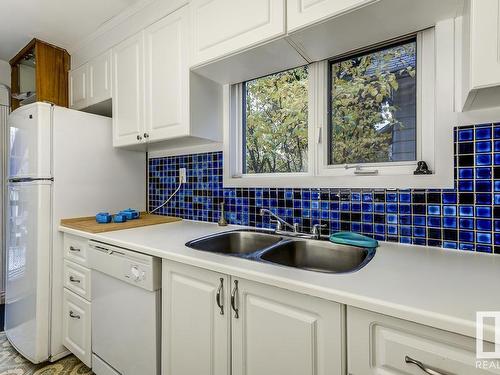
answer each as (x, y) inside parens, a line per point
(29, 179)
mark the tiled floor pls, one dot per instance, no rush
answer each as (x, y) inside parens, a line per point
(12, 363)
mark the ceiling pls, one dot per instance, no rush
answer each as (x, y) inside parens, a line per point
(60, 22)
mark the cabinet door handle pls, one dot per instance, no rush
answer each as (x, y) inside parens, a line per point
(146, 135)
(233, 300)
(139, 137)
(218, 296)
(73, 280)
(425, 368)
(73, 315)
(72, 248)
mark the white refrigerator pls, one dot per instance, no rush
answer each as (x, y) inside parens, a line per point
(61, 163)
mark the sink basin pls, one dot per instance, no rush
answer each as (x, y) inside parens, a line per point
(235, 242)
(319, 256)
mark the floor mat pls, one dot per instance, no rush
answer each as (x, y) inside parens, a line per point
(13, 363)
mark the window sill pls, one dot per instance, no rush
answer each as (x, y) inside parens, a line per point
(405, 181)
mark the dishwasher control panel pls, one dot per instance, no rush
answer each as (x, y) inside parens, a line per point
(132, 267)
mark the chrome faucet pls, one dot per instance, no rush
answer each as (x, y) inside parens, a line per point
(315, 230)
(278, 220)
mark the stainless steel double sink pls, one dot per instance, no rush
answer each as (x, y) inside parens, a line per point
(307, 254)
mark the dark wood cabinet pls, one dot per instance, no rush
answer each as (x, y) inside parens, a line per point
(39, 72)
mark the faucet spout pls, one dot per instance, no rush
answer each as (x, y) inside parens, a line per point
(279, 221)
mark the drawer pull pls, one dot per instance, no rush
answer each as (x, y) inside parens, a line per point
(73, 315)
(218, 296)
(424, 368)
(72, 248)
(73, 280)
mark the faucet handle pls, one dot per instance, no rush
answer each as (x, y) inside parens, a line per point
(278, 224)
(316, 228)
(296, 227)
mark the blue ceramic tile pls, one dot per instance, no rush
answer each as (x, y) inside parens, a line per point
(449, 210)
(465, 185)
(483, 211)
(466, 236)
(497, 159)
(449, 222)
(497, 131)
(450, 245)
(483, 146)
(483, 198)
(434, 210)
(483, 185)
(483, 133)
(433, 221)
(449, 198)
(497, 199)
(497, 146)
(483, 172)
(465, 135)
(419, 220)
(466, 211)
(465, 173)
(482, 224)
(483, 159)
(482, 237)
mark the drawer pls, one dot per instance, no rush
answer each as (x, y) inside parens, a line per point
(76, 326)
(76, 249)
(77, 279)
(379, 344)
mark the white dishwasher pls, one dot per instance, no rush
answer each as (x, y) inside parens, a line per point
(126, 311)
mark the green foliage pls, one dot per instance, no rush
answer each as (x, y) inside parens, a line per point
(276, 123)
(363, 115)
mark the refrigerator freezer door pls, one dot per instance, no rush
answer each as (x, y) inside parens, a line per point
(27, 297)
(30, 141)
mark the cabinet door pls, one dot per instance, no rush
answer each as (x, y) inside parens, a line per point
(195, 336)
(100, 78)
(380, 344)
(485, 43)
(78, 95)
(128, 87)
(301, 13)
(167, 77)
(76, 326)
(222, 27)
(284, 333)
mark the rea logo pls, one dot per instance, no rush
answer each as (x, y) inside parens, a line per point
(486, 350)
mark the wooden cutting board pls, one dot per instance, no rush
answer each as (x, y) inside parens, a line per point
(88, 224)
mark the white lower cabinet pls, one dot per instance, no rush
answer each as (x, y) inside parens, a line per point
(280, 332)
(235, 326)
(195, 337)
(76, 326)
(383, 345)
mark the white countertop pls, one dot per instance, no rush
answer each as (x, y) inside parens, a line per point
(432, 286)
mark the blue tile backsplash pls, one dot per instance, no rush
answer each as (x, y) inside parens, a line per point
(466, 218)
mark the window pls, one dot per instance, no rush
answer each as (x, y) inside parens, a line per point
(275, 111)
(373, 106)
(359, 120)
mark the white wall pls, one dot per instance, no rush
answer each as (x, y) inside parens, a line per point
(5, 72)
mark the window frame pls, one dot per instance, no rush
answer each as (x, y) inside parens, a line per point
(435, 121)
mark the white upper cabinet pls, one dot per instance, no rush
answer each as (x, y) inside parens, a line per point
(167, 77)
(128, 98)
(280, 332)
(481, 54)
(301, 13)
(99, 78)
(78, 96)
(223, 27)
